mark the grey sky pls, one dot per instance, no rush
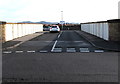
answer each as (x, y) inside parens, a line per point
(50, 10)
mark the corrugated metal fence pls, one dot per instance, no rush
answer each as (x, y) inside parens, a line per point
(15, 30)
(108, 30)
(98, 29)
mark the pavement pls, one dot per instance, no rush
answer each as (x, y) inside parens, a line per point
(16, 42)
(100, 43)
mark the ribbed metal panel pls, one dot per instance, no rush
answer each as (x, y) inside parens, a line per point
(98, 29)
(13, 30)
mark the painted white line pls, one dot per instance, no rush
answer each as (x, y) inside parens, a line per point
(19, 51)
(54, 46)
(59, 34)
(55, 42)
(84, 50)
(30, 51)
(77, 41)
(44, 51)
(99, 51)
(6, 52)
(71, 50)
(57, 50)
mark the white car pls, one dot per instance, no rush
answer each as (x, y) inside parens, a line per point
(54, 28)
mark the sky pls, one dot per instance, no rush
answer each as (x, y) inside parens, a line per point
(77, 11)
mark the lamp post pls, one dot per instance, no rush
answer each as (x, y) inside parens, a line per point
(62, 18)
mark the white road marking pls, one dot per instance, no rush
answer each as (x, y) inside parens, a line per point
(30, 51)
(99, 51)
(43, 51)
(77, 41)
(71, 50)
(59, 34)
(6, 52)
(54, 46)
(19, 51)
(84, 50)
(57, 50)
(56, 42)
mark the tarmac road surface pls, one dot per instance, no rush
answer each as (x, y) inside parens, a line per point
(59, 57)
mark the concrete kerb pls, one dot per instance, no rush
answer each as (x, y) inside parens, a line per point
(21, 42)
(94, 44)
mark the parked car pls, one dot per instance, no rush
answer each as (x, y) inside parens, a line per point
(46, 28)
(54, 28)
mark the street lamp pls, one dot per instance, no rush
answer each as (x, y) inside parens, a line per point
(62, 18)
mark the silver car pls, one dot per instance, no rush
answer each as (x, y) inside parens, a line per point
(46, 28)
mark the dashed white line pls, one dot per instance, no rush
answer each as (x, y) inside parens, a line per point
(99, 51)
(57, 50)
(6, 52)
(77, 41)
(54, 45)
(30, 51)
(19, 51)
(84, 50)
(71, 50)
(59, 34)
(56, 42)
(43, 51)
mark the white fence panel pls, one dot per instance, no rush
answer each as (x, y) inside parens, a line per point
(14, 30)
(98, 29)
(8, 32)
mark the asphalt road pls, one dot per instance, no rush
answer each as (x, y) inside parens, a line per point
(71, 41)
(65, 41)
(59, 57)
